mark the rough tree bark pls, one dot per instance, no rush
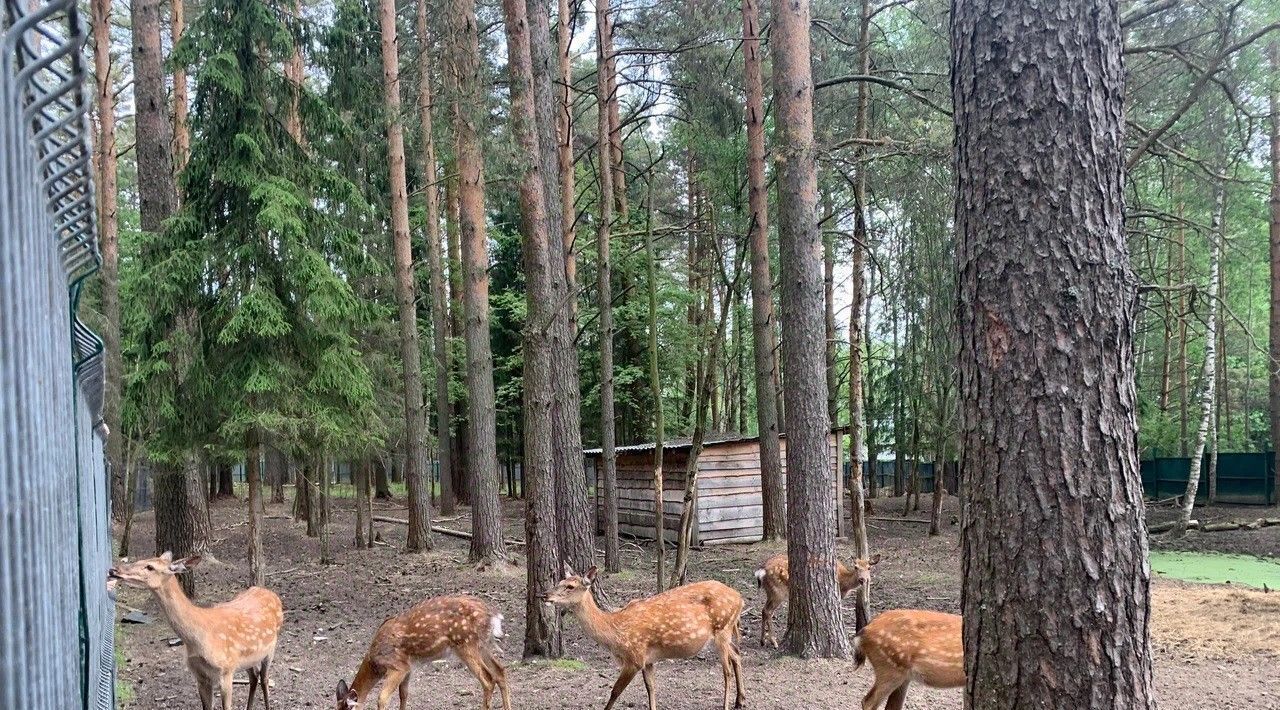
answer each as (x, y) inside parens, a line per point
(278, 472)
(487, 545)
(435, 262)
(564, 152)
(1209, 375)
(608, 458)
(453, 233)
(109, 242)
(415, 475)
(253, 479)
(655, 389)
(773, 493)
(815, 624)
(364, 510)
(326, 479)
(181, 134)
(1047, 393)
(542, 633)
(1273, 53)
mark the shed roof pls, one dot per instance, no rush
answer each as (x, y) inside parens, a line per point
(682, 443)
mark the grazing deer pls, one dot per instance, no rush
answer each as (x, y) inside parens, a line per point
(464, 625)
(774, 577)
(677, 623)
(240, 634)
(905, 645)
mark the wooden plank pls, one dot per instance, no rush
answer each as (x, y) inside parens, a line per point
(745, 512)
(741, 536)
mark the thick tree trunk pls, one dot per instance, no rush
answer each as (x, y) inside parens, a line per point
(253, 479)
(177, 515)
(181, 134)
(487, 545)
(1209, 375)
(326, 479)
(1046, 361)
(382, 484)
(457, 357)
(311, 475)
(278, 472)
(226, 482)
(109, 242)
(564, 153)
(542, 633)
(1273, 52)
(435, 261)
(574, 522)
(364, 506)
(415, 474)
(607, 96)
(773, 493)
(815, 624)
(608, 459)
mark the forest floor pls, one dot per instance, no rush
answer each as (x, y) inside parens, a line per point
(1215, 646)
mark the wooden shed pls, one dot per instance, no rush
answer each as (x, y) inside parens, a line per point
(728, 507)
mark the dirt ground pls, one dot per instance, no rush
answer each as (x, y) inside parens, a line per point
(331, 613)
(1261, 543)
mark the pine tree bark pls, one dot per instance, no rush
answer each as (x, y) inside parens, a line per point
(311, 473)
(382, 485)
(487, 545)
(608, 99)
(608, 457)
(435, 262)
(773, 493)
(1047, 393)
(1273, 98)
(278, 472)
(564, 129)
(325, 473)
(655, 389)
(815, 625)
(457, 356)
(415, 474)
(181, 134)
(364, 506)
(542, 633)
(253, 479)
(574, 524)
(109, 243)
(1209, 375)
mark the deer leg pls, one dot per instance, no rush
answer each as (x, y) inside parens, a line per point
(766, 622)
(226, 684)
(499, 676)
(898, 697)
(205, 686)
(649, 686)
(253, 687)
(390, 684)
(883, 688)
(735, 658)
(724, 644)
(404, 691)
(262, 679)
(470, 656)
(624, 679)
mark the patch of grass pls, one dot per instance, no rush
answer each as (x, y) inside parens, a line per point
(124, 690)
(565, 664)
(1214, 568)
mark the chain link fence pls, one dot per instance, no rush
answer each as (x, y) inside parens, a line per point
(56, 616)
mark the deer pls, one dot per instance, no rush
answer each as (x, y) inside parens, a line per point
(677, 623)
(910, 644)
(460, 624)
(774, 577)
(236, 635)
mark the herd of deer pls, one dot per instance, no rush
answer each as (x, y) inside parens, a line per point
(903, 645)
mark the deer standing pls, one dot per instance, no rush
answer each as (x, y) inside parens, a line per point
(240, 634)
(774, 577)
(908, 644)
(677, 623)
(464, 625)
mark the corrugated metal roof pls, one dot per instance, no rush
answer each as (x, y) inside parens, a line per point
(686, 442)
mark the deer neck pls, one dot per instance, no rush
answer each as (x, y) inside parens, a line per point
(364, 681)
(183, 616)
(597, 622)
(847, 579)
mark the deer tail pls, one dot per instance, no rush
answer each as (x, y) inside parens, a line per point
(760, 578)
(858, 656)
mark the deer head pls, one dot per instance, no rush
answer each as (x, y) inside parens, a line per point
(151, 573)
(570, 591)
(347, 698)
(860, 575)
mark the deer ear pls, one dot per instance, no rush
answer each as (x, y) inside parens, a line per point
(167, 556)
(590, 576)
(184, 564)
(343, 690)
(875, 559)
(568, 571)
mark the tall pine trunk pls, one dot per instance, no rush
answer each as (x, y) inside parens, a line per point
(1046, 362)
(415, 474)
(435, 262)
(772, 491)
(253, 479)
(542, 632)
(364, 509)
(1209, 375)
(815, 624)
(487, 545)
(655, 390)
(181, 133)
(1273, 98)
(608, 458)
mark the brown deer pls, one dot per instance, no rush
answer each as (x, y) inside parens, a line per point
(908, 644)
(774, 577)
(463, 625)
(240, 634)
(677, 623)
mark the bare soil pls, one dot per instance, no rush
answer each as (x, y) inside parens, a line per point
(1264, 542)
(332, 611)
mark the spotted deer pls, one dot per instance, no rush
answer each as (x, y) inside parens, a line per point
(236, 635)
(909, 644)
(463, 625)
(677, 623)
(774, 577)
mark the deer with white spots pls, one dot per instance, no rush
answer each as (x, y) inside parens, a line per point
(675, 624)
(236, 635)
(463, 625)
(905, 645)
(774, 577)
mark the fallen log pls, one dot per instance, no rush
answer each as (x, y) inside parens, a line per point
(1219, 527)
(436, 528)
(1166, 527)
(901, 520)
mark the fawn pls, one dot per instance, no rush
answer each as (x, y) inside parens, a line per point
(240, 634)
(905, 645)
(464, 625)
(775, 578)
(677, 623)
